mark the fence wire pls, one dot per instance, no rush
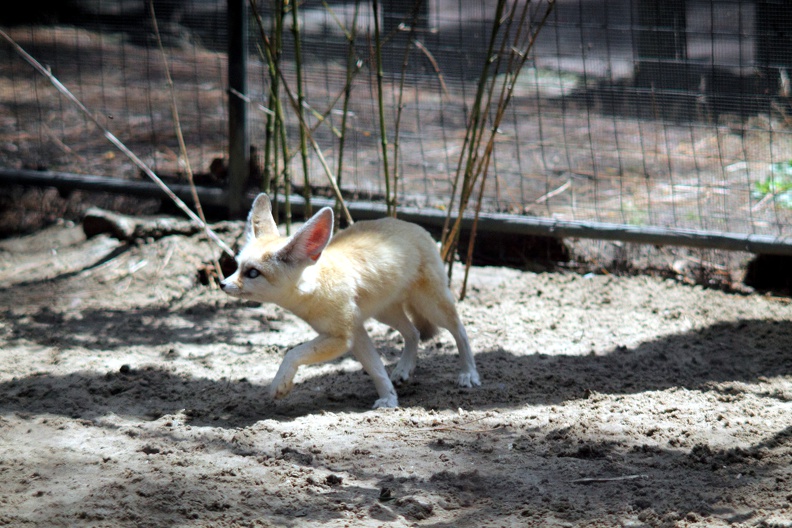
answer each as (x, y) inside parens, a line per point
(673, 114)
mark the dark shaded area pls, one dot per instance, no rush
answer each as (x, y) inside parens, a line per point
(770, 273)
(526, 252)
(741, 352)
(684, 93)
(699, 360)
(42, 12)
(179, 22)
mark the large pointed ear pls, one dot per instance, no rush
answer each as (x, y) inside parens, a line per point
(260, 221)
(311, 239)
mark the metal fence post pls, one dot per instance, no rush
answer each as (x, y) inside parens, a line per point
(238, 139)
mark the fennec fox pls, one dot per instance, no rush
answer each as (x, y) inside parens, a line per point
(385, 269)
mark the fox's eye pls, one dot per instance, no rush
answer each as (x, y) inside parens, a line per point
(252, 273)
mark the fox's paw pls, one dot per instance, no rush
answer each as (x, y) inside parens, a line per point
(284, 380)
(281, 387)
(279, 391)
(401, 373)
(388, 402)
(468, 379)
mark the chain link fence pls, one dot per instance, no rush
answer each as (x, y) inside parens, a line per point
(671, 114)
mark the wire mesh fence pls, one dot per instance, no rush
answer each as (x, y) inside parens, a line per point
(638, 112)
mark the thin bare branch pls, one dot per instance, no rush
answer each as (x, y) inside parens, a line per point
(179, 134)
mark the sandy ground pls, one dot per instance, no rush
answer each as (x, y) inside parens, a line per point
(132, 395)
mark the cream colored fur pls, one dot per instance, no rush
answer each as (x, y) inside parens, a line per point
(387, 269)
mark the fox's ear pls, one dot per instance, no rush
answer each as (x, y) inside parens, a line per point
(311, 239)
(260, 221)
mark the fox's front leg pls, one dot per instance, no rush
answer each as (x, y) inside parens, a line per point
(317, 350)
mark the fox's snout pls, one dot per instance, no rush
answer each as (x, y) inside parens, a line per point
(229, 286)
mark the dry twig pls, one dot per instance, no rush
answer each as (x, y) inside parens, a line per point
(180, 135)
(599, 480)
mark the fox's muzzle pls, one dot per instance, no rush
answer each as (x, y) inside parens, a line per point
(229, 286)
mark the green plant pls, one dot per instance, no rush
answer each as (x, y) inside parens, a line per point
(777, 184)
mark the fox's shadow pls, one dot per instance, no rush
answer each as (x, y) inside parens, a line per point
(706, 359)
(741, 352)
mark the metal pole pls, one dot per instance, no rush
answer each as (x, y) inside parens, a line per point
(238, 139)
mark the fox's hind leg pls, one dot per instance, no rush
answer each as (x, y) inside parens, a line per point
(468, 375)
(438, 307)
(397, 319)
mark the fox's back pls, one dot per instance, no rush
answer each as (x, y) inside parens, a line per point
(383, 242)
(385, 258)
